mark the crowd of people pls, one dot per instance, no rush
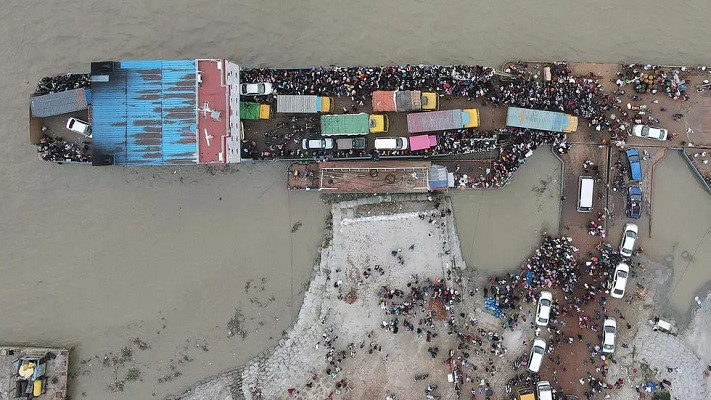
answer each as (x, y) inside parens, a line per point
(359, 82)
(512, 156)
(59, 150)
(60, 83)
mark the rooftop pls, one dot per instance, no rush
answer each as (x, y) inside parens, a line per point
(212, 115)
(143, 112)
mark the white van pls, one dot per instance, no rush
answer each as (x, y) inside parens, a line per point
(585, 194)
(391, 143)
(543, 391)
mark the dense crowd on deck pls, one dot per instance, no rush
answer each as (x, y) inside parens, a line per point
(59, 150)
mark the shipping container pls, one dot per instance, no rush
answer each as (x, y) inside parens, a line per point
(299, 104)
(442, 120)
(541, 120)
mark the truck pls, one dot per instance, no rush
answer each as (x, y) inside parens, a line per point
(300, 104)
(404, 100)
(442, 120)
(252, 110)
(353, 124)
(541, 120)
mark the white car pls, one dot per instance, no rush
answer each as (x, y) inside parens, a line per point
(544, 391)
(543, 312)
(317, 144)
(78, 126)
(649, 132)
(390, 143)
(537, 353)
(629, 235)
(256, 89)
(609, 330)
(619, 281)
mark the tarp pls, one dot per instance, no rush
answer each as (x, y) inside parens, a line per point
(248, 110)
(399, 100)
(420, 142)
(540, 120)
(345, 124)
(383, 101)
(298, 104)
(439, 177)
(434, 121)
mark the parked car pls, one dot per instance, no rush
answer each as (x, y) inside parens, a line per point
(634, 165)
(391, 143)
(649, 132)
(544, 391)
(537, 353)
(78, 126)
(634, 202)
(543, 312)
(317, 144)
(629, 236)
(352, 143)
(619, 280)
(609, 330)
(256, 89)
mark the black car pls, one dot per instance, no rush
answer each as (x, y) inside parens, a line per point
(634, 202)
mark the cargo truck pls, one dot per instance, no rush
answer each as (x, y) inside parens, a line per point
(442, 120)
(252, 110)
(353, 124)
(300, 104)
(541, 120)
(404, 100)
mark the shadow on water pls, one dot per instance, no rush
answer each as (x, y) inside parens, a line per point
(498, 229)
(681, 236)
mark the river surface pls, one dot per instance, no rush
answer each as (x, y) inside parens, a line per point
(499, 228)
(96, 258)
(681, 233)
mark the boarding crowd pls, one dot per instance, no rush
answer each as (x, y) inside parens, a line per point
(57, 149)
(60, 83)
(512, 156)
(359, 82)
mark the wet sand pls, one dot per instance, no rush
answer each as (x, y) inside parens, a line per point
(499, 228)
(95, 257)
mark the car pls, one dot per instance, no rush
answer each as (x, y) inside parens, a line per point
(317, 144)
(609, 330)
(78, 126)
(544, 391)
(634, 202)
(634, 164)
(619, 280)
(649, 132)
(537, 353)
(629, 236)
(543, 312)
(391, 143)
(352, 143)
(256, 89)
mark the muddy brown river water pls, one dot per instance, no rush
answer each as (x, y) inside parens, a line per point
(147, 270)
